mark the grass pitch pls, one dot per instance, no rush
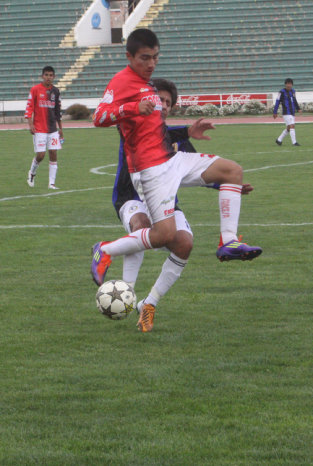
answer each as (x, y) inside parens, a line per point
(225, 378)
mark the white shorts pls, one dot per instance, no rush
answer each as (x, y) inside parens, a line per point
(160, 184)
(44, 141)
(131, 208)
(289, 119)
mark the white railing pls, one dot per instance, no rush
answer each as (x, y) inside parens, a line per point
(7, 106)
(136, 16)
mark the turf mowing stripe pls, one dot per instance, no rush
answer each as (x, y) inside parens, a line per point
(11, 227)
(110, 187)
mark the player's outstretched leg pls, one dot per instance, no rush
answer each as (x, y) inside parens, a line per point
(100, 263)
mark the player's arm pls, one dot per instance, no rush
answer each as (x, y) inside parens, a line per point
(115, 107)
(58, 115)
(30, 111)
(278, 99)
(296, 104)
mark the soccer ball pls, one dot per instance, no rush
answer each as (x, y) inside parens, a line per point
(116, 299)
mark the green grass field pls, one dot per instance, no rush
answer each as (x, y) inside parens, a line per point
(225, 378)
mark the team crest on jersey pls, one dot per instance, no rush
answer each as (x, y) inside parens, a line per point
(52, 96)
(112, 116)
(42, 96)
(108, 97)
(133, 209)
(144, 89)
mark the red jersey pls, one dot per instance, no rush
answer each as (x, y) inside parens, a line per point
(146, 143)
(45, 104)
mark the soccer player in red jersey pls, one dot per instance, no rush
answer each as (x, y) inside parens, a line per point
(43, 112)
(157, 171)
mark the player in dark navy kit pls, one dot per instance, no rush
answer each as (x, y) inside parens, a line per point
(287, 99)
(43, 112)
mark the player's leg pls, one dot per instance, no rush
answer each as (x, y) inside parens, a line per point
(134, 216)
(293, 132)
(180, 249)
(40, 144)
(280, 138)
(54, 145)
(203, 169)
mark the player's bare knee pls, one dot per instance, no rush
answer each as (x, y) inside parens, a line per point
(182, 244)
(53, 155)
(40, 156)
(139, 221)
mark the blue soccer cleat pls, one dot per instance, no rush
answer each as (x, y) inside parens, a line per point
(234, 250)
(100, 263)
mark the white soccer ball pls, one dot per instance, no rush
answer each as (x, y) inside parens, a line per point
(116, 299)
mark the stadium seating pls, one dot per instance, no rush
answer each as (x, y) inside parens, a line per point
(30, 35)
(221, 45)
(207, 46)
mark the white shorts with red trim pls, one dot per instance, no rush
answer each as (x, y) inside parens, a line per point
(44, 141)
(158, 185)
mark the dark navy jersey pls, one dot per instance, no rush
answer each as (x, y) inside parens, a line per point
(288, 101)
(123, 189)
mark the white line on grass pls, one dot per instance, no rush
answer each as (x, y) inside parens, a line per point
(110, 226)
(278, 166)
(54, 193)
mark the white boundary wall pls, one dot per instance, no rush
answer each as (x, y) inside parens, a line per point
(92, 103)
(136, 16)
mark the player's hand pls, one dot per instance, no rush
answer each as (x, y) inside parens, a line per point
(31, 127)
(146, 107)
(61, 134)
(246, 188)
(196, 131)
(274, 116)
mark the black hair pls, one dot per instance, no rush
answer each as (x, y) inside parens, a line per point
(48, 68)
(168, 86)
(288, 80)
(141, 38)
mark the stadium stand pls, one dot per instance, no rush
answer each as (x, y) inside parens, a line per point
(207, 46)
(30, 35)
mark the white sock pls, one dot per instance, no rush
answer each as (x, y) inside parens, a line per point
(229, 203)
(293, 135)
(134, 242)
(131, 267)
(283, 134)
(53, 168)
(34, 166)
(171, 271)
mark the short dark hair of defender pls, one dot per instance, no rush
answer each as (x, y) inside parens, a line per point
(168, 86)
(288, 81)
(140, 38)
(49, 69)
